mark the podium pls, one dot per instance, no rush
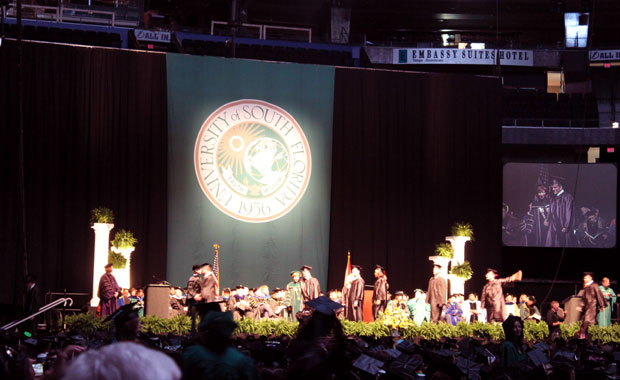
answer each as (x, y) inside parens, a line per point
(570, 308)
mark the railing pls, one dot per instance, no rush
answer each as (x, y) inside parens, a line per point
(41, 310)
(263, 30)
(69, 14)
(550, 123)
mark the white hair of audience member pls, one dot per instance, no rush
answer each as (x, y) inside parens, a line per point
(123, 361)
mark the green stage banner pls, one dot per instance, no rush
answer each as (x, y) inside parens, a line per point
(249, 168)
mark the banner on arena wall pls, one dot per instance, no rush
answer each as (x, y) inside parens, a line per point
(152, 35)
(249, 168)
(452, 56)
(604, 55)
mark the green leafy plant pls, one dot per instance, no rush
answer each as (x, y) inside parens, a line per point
(445, 250)
(84, 324)
(605, 335)
(463, 229)
(101, 215)
(568, 331)
(124, 239)
(118, 260)
(180, 325)
(535, 331)
(154, 324)
(463, 270)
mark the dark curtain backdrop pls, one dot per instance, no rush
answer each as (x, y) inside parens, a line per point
(412, 154)
(95, 134)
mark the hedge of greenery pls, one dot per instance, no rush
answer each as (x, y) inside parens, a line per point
(87, 324)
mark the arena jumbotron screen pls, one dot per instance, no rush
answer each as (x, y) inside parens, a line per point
(559, 205)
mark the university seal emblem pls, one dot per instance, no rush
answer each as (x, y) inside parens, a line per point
(252, 160)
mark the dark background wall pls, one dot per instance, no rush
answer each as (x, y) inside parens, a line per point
(413, 153)
(95, 134)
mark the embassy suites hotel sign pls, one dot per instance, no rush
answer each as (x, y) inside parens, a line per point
(252, 160)
(453, 56)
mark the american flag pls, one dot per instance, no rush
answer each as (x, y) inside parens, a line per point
(347, 270)
(216, 265)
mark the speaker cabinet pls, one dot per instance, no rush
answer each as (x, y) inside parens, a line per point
(157, 300)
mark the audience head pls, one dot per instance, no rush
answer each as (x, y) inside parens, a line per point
(472, 297)
(513, 329)
(123, 361)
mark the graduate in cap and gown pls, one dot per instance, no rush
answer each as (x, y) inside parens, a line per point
(437, 293)
(380, 296)
(355, 299)
(493, 295)
(593, 301)
(310, 288)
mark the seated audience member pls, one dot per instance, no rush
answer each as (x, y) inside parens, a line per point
(317, 351)
(140, 303)
(261, 295)
(399, 301)
(513, 349)
(453, 312)
(277, 301)
(471, 308)
(527, 309)
(335, 296)
(177, 303)
(125, 324)
(123, 361)
(511, 307)
(214, 357)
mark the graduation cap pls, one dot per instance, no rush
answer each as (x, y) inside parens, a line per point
(295, 271)
(380, 267)
(324, 305)
(276, 290)
(399, 293)
(418, 290)
(591, 274)
(205, 308)
(437, 265)
(359, 268)
(308, 267)
(219, 322)
(123, 314)
(196, 266)
(240, 286)
(492, 270)
(108, 265)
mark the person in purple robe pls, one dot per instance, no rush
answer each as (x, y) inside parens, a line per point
(560, 216)
(108, 292)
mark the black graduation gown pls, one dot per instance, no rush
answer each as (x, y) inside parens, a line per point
(356, 293)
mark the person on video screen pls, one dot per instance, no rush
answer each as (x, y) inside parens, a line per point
(539, 211)
(560, 216)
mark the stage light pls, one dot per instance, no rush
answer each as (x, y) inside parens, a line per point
(576, 26)
(477, 45)
(462, 45)
(614, 124)
(444, 38)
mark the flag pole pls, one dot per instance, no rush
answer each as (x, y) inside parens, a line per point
(216, 265)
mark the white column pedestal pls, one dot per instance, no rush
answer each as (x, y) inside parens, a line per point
(123, 275)
(102, 240)
(457, 284)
